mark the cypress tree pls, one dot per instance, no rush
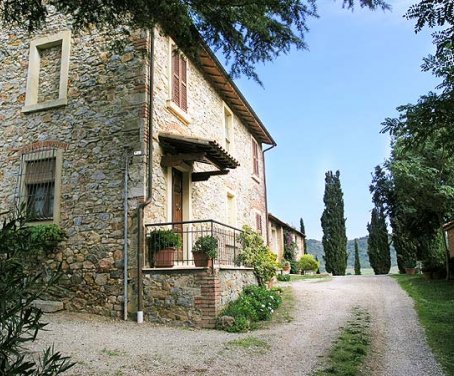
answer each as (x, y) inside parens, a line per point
(302, 229)
(357, 262)
(377, 243)
(333, 224)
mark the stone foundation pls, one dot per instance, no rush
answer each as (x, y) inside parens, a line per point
(191, 297)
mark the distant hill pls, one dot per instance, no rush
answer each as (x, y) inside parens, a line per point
(315, 247)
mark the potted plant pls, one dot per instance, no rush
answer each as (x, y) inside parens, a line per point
(286, 266)
(162, 245)
(410, 267)
(205, 250)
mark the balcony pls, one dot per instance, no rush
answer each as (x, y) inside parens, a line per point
(228, 237)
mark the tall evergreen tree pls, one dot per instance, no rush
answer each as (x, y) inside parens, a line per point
(357, 262)
(303, 230)
(377, 243)
(333, 224)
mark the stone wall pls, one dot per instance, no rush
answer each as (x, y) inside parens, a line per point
(191, 297)
(103, 115)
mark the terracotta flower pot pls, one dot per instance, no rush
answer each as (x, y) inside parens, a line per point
(164, 258)
(201, 260)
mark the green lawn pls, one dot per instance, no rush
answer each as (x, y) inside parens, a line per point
(297, 277)
(434, 302)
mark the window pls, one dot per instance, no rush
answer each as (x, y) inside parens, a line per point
(179, 80)
(258, 223)
(39, 184)
(48, 69)
(255, 157)
(228, 129)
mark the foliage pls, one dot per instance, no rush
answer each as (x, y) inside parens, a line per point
(434, 259)
(377, 243)
(206, 244)
(357, 261)
(254, 304)
(294, 267)
(246, 33)
(351, 347)
(307, 262)
(162, 239)
(333, 224)
(20, 285)
(290, 246)
(303, 230)
(46, 237)
(435, 308)
(258, 256)
(283, 277)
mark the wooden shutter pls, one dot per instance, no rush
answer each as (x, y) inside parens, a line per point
(183, 84)
(255, 157)
(176, 77)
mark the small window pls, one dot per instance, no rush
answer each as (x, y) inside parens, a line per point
(258, 223)
(228, 130)
(179, 80)
(255, 157)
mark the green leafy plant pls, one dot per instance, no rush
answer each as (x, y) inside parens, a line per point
(21, 282)
(254, 304)
(283, 277)
(307, 262)
(46, 237)
(258, 256)
(208, 245)
(162, 239)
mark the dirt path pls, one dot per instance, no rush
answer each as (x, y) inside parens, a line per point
(104, 347)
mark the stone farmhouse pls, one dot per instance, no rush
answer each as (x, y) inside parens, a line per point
(113, 146)
(280, 233)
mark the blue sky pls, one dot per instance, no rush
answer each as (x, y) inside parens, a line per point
(324, 107)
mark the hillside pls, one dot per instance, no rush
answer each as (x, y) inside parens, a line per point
(315, 247)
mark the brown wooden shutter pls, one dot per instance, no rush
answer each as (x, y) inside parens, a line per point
(258, 223)
(176, 77)
(183, 84)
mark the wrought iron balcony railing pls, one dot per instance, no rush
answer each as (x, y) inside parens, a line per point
(228, 242)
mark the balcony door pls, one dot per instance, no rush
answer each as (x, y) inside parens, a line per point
(177, 205)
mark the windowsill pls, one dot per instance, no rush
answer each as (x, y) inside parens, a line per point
(45, 105)
(178, 112)
(256, 178)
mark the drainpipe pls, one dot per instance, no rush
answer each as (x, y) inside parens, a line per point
(141, 207)
(125, 239)
(266, 193)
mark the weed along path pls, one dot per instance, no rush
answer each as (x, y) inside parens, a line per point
(322, 309)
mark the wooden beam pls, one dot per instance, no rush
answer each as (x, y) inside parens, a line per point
(204, 176)
(173, 160)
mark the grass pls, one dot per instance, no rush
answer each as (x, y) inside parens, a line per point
(320, 277)
(434, 303)
(250, 343)
(350, 348)
(284, 313)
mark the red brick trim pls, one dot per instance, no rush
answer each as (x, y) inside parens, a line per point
(41, 145)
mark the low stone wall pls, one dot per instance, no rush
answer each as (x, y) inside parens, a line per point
(191, 297)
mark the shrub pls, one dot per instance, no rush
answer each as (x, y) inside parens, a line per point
(283, 277)
(46, 237)
(294, 267)
(308, 262)
(254, 304)
(258, 256)
(161, 239)
(208, 245)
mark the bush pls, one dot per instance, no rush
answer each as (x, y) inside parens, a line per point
(283, 277)
(258, 256)
(162, 239)
(254, 304)
(308, 262)
(207, 245)
(46, 237)
(294, 267)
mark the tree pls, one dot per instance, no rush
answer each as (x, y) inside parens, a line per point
(357, 262)
(246, 32)
(303, 230)
(377, 243)
(20, 284)
(333, 224)
(308, 263)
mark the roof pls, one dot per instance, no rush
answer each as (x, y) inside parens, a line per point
(212, 151)
(448, 226)
(275, 219)
(221, 80)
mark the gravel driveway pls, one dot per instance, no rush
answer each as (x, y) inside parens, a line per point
(104, 347)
